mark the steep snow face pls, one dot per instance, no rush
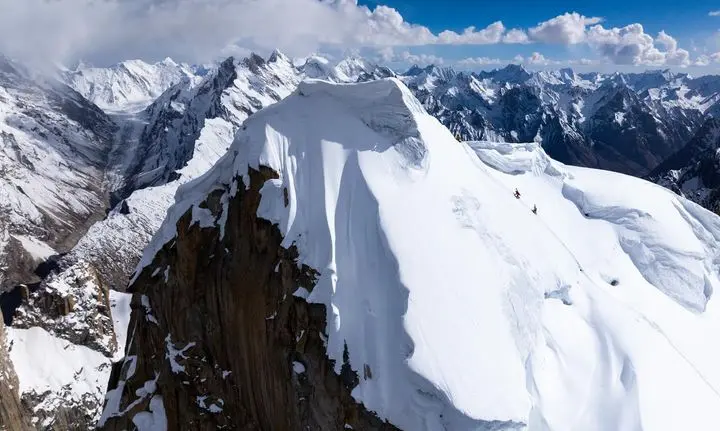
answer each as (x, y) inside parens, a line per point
(128, 86)
(471, 311)
(188, 129)
(53, 152)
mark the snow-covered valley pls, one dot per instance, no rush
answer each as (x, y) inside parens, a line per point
(455, 306)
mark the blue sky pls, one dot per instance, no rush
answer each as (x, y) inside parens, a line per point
(688, 22)
(471, 34)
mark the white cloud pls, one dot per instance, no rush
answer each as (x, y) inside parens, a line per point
(195, 30)
(420, 59)
(104, 31)
(667, 41)
(567, 29)
(389, 55)
(537, 59)
(714, 13)
(630, 45)
(516, 36)
(674, 56)
(470, 36)
(386, 54)
(705, 59)
(200, 30)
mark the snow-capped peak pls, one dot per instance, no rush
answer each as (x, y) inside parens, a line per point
(317, 67)
(512, 73)
(351, 68)
(127, 86)
(278, 56)
(588, 291)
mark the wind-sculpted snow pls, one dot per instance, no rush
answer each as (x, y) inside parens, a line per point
(677, 261)
(516, 158)
(470, 311)
(387, 110)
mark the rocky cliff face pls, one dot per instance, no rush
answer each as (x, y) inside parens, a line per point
(12, 414)
(239, 346)
(694, 171)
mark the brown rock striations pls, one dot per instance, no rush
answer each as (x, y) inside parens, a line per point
(217, 340)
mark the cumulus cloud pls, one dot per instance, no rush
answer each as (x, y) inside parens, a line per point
(471, 36)
(707, 59)
(389, 55)
(567, 29)
(537, 59)
(105, 31)
(201, 30)
(516, 36)
(673, 55)
(630, 45)
(714, 13)
(420, 59)
(195, 30)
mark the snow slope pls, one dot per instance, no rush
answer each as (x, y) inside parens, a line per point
(472, 312)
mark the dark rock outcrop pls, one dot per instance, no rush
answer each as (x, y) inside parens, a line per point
(218, 340)
(694, 171)
(73, 305)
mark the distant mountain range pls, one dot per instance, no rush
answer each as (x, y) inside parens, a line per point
(627, 122)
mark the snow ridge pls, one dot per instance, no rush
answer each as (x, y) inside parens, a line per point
(475, 313)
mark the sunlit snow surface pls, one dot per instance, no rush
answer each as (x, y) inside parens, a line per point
(472, 312)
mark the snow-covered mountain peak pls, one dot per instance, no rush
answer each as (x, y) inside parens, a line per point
(317, 67)
(347, 70)
(169, 62)
(127, 86)
(351, 68)
(512, 73)
(278, 56)
(591, 291)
